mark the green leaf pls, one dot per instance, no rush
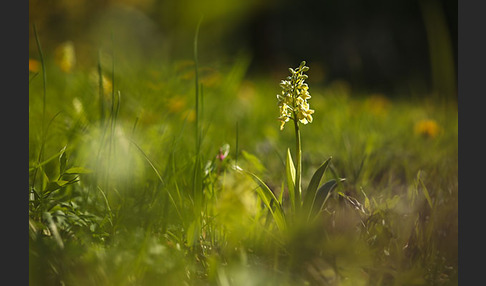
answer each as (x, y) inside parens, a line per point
(290, 170)
(321, 197)
(62, 160)
(45, 161)
(55, 185)
(310, 193)
(270, 201)
(62, 182)
(77, 170)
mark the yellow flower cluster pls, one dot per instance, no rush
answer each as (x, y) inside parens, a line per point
(292, 102)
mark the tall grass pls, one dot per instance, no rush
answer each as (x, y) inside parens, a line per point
(129, 194)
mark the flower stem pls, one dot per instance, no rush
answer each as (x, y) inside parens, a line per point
(298, 158)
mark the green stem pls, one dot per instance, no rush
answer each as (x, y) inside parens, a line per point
(298, 158)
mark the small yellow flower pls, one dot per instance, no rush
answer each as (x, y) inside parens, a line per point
(378, 104)
(65, 56)
(292, 102)
(107, 86)
(105, 81)
(34, 65)
(428, 128)
(176, 104)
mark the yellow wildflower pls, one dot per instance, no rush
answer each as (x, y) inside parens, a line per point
(176, 104)
(107, 86)
(428, 128)
(65, 56)
(34, 65)
(292, 102)
(105, 81)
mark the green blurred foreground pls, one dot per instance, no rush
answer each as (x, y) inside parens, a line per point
(133, 179)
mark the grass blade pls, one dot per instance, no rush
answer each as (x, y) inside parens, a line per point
(425, 191)
(197, 177)
(53, 228)
(55, 156)
(108, 208)
(270, 201)
(159, 177)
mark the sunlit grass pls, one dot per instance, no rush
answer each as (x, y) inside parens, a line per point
(121, 196)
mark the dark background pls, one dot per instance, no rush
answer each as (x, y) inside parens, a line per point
(373, 44)
(393, 47)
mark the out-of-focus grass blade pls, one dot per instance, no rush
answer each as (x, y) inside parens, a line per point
(236, 145)
(424, 190)
(53, 228)
(192, 233)
(280, 196)
(159, 177)
(108, 208)
(270, 201)
(367, 203)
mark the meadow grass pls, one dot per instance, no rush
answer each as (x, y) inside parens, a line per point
(134, 182)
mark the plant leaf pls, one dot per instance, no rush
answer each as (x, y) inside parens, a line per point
(77, 170)
(321, 197)
(51, 187)
(55, 185)
(62, 160)
(290, 170)
(310, 193)
(45, 161)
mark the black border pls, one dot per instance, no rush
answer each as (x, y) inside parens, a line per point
(471, 79)
(14, 125)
